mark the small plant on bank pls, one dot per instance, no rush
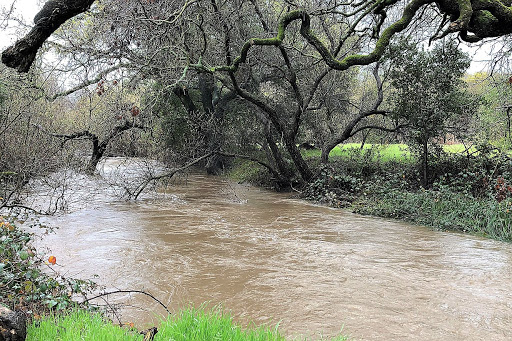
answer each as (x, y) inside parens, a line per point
(28, 280)
(336, 190)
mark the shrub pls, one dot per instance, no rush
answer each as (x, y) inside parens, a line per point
(24, 284)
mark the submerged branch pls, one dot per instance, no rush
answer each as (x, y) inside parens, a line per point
(169, 174)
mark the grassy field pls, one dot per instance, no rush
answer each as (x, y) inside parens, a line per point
(385, 152)
(189, 324)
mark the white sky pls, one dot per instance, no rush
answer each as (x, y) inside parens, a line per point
(24, 9)
(27, 9)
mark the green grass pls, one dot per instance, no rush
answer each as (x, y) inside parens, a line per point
(384, 152)
(192, 324)
(189, 324)
(77, 325)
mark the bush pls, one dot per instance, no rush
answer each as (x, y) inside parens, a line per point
(23, 283)
(333, 189)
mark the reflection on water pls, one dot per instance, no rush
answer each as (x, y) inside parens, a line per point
(269, 259)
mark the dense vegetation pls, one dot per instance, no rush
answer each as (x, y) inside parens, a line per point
(267, 91)
(28, 280)
(468, 192)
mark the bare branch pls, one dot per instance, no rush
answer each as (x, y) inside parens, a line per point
(128, 292)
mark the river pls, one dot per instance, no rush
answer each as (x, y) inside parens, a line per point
(269, 258)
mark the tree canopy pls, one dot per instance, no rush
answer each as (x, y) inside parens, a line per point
(248, 72)
(472, 20)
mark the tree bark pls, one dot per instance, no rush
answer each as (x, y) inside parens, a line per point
(97, 154)
(213, 136)
(425, 164)
(279, 161)
(54, 13)
(298, 160)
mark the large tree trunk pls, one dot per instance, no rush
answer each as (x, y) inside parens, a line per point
(298, 160)
(98, 149)
(326, 149)
(279, 161)
(213, 135)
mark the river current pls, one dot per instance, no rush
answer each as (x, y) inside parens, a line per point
(269, 258)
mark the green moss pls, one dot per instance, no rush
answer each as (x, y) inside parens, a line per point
(466, 11)
(308, 34)
(484, 18)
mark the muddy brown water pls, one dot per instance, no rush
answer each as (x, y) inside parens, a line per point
(271, 259)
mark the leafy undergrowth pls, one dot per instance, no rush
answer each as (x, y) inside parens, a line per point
(28, 278)
(467, 192)
(444, 209)
(189, 324)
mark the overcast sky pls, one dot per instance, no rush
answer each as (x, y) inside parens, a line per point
(27, 9)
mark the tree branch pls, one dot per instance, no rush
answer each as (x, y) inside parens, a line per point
(128, 292)
(169, 174)
(85, 84)
(21, 55)
(308, 34)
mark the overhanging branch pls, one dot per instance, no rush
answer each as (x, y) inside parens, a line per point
(21, 55)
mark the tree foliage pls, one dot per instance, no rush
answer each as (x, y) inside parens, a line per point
(275, 59)
(429, 92)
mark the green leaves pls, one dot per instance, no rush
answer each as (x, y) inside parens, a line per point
(22, 281)
(23, 255)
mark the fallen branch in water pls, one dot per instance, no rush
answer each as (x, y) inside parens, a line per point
(135, 194)
(169, 174)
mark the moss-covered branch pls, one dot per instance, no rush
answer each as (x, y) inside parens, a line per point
(474, 19)
(305, 30)
(484, 18)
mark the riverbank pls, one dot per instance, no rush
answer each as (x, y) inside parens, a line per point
(467, 191)
(188, 324)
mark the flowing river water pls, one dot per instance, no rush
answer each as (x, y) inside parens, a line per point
(269, 258)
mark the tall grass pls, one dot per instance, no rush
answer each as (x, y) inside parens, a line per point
(202, 325)
(77, 325)
(188, 324)
(444, 209)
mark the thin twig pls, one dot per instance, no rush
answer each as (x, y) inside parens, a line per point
(128, 292)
